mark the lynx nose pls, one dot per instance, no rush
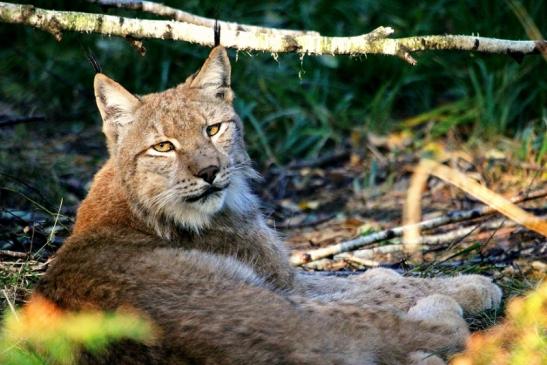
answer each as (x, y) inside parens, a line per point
(208, 174)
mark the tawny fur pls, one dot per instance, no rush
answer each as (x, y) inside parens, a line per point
(209, 273)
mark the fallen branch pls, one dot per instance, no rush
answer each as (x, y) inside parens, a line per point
(375, 42)
(370, 253)
(430, 242)
(366, 258)
(358, 261)
(447, 237)
(326, 265)
(412, 209)
(16, 254)
(301, 258)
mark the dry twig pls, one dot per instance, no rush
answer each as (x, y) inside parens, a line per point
(16, 254)
(412, 212)
(482, 193)
(326, 265)
(428, 242)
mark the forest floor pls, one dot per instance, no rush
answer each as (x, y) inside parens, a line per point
(314, 203)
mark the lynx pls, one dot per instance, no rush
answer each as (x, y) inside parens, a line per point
(171, 229)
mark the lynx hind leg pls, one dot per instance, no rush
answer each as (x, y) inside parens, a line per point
(474, 293)
(378, 273)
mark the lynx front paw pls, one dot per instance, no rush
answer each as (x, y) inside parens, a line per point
(475, 293)
(440, 318)
(436, 307)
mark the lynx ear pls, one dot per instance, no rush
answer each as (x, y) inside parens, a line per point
(115, 104)
(214, 75)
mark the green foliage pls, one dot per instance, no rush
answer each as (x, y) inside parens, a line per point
(294, 106)
(520, 340)
(40, 334)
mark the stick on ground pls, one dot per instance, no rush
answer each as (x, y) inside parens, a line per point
(301, 258)
(487, 196)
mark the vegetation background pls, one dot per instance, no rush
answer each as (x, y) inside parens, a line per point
(295, 108)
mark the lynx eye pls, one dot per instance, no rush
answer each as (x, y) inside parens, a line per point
(163, 147)
(212, 129)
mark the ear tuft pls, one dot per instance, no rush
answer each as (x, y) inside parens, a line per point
(215, 72)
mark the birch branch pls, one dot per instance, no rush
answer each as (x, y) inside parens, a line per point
(375, 42)
(186, 17)
(16, 254)
(326, 265)
(301, 258)
(356, 260)
(428, 242)
(370, 253)
(367, 257)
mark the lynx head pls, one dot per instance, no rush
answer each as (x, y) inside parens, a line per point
(179, 154)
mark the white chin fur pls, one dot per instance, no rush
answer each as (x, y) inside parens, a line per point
(197, 215)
